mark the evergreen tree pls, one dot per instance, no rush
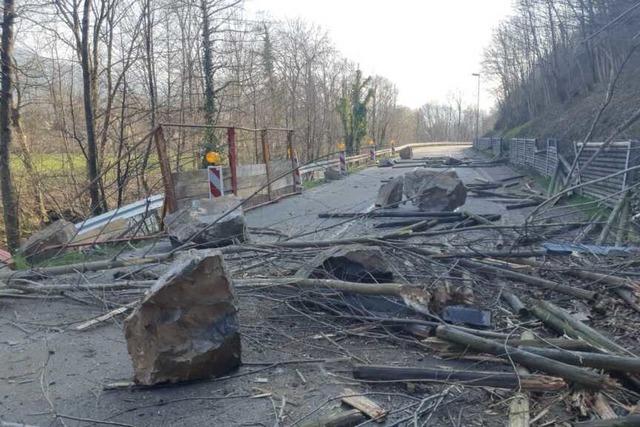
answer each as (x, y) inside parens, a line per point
(353, 112)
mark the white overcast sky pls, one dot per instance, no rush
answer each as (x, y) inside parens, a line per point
(429, 48)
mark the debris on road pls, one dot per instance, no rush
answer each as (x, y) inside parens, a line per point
(462, 302)
(208, 223)
(406, 153)
(365, 405)
(434, 191)
(353, 263)
(186, 327)
(467, 315)
(390, 193)
(39, 246)
(332, 174)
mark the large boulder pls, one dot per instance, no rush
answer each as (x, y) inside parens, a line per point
(406, 153)
(186, 327)
(351, 263)
(434, 191)
(332, 174)
(206, 222)
(58, 233)
(390, 193)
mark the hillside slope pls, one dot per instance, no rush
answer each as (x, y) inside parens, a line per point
(571, 120)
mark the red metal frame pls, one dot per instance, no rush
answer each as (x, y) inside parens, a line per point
(233, 158)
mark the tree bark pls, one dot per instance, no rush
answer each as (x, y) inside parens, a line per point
(508, 380)
(97, 205)
(9, 203)
(533, 361)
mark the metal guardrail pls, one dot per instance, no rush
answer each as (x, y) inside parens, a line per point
(146, 207)
(543, 158)
(142, 207)
(319, 166)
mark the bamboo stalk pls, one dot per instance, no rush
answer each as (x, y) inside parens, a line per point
(581, 274)
(612, 218)
(546, 311)
(621, 235)
(515, 303)
(532, 280)
(530, 360)
(607, 362)
(628, 421)
(595, 219)
(508, 380)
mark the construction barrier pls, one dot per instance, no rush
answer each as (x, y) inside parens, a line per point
(216, 182)
(259, 164)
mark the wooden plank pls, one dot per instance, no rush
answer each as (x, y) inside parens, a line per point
(364, 405)
(105, 317)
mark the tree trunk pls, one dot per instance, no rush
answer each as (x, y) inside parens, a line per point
(211, 142)
(92, 152)
(10, 207)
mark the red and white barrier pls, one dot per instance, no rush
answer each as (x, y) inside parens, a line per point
(343, 163)
(216, 183)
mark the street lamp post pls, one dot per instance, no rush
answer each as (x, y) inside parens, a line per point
(477, 107)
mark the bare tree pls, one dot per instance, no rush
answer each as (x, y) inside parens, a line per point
(9, 204)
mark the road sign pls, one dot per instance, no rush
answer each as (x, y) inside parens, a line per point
(216, 186)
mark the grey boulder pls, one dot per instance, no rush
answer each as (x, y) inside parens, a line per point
(186, 327)
(434, 191)
(37, 248)
(208, 222)
(390, 193)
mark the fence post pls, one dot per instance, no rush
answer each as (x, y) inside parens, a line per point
(170, 203)
(294, 161)
(266, 158)
(233, 158)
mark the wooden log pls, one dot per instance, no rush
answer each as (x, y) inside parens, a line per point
(105, 317)
(608, 362)
(364, 405)
(507, 380)
(612, 218)
(511, 178)
(602, 408)
(84, 267)
(384, 214)
(628, 297)
(623, 224)
(562, 321)
(31, 287)
(522, 205)
(532, 280)
(551, 189)
(628, 421)
(581, 274)
(515, 303)
(562, 343)
(519, 411)
(530, 360)
(587, 229)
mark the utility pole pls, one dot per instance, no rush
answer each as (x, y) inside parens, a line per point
(477, 107)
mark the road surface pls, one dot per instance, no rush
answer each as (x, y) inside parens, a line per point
(49, 368)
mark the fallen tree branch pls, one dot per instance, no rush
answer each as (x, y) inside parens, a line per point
(530, 360)
(508, 380)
